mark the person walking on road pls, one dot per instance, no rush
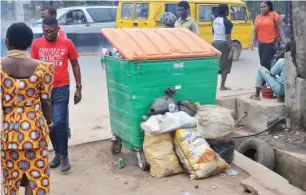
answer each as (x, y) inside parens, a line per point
(51, 11)
(59, 50)
(222, 40)
(268, 28)
(184, 20)
(47, 12)
(26, 86)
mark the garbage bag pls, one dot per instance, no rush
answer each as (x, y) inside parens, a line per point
(225, 150)
(214, 122)
(160, 155)
(161, 105)
(158, 124)
(188, 107)
(196, 156)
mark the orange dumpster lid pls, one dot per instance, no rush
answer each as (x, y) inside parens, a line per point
(158, 43)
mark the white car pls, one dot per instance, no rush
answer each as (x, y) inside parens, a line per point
(83, 24)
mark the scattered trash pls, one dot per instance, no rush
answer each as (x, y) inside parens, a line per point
(214, 187)
(145, 117)
(111, 163)
(114, 53)
(161, 104)
(188, 107)
(224, 148)
(125, 183)
(97, 127)
(276, 137)
(158, 124)
(172, 107)
(231, 172)
(121, 163)
(196, 187)
(297, 133)
(185, 193)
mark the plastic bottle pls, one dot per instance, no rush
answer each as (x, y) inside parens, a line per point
(121, 163)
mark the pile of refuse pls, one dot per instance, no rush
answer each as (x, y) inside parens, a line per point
(185, 136)
(114, 52)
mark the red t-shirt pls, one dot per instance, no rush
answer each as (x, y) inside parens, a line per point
(57, 52)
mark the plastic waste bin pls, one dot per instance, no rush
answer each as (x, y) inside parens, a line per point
(154, 59)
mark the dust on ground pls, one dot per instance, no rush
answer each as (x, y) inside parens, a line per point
(291, 140)
(95, 172)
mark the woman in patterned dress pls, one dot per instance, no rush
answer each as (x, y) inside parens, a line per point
(25, 93)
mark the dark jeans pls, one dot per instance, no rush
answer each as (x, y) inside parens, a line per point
(59, 134)
(68, 125)
(266, 54)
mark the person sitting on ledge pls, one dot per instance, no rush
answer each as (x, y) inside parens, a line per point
(274, 78)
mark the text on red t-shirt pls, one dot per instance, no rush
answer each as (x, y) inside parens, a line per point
(57, 52)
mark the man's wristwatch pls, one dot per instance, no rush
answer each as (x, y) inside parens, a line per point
(79, 86)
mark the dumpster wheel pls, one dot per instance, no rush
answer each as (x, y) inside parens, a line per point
(116, 145)
(142, 162)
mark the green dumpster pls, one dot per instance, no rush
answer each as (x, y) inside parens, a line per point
(135, 82)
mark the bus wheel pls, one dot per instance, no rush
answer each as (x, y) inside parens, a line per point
(236, 50)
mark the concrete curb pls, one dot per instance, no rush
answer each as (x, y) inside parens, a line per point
(263, 181)
(292, 166)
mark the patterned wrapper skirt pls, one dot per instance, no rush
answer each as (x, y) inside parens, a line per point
(19, 166)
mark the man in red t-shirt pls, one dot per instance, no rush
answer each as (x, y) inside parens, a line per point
(47, 12)
(58, 50)
(51, 11)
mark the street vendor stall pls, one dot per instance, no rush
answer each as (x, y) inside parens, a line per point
(150, 61)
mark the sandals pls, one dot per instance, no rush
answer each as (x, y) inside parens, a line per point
(254, 97)
(224, 88)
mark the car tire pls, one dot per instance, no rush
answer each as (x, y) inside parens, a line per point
(236, 50)
(258, 151)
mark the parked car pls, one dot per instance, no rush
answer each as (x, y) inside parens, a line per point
(83, 24)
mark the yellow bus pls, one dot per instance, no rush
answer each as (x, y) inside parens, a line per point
(147, 14)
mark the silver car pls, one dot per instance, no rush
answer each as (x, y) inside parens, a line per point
(83, 24)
